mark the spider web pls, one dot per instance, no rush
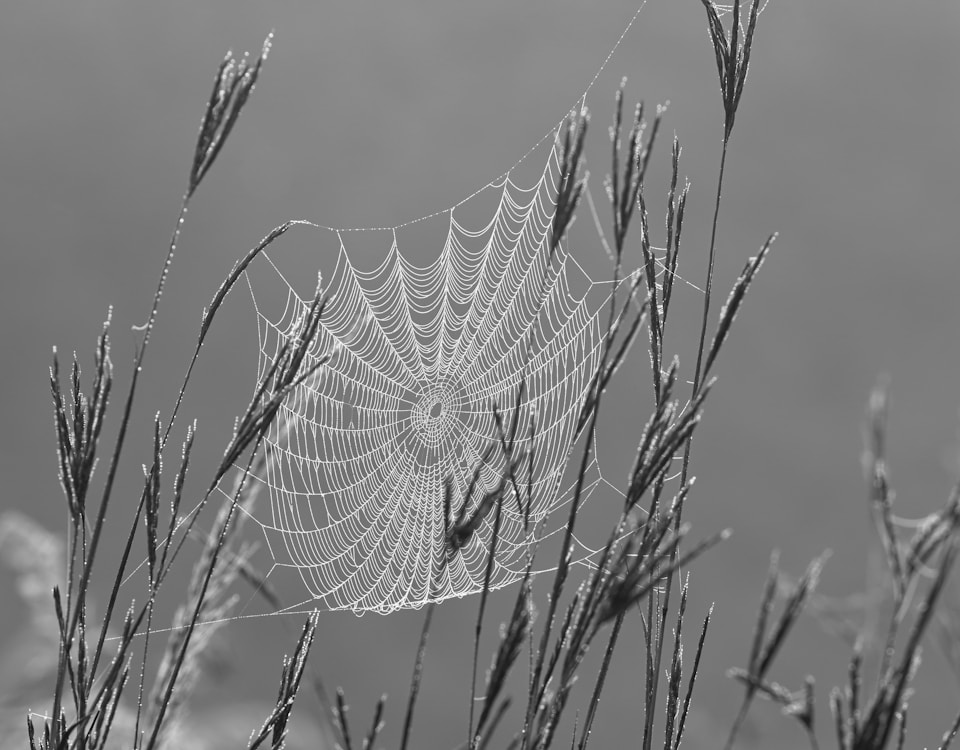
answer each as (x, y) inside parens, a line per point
(413, 361)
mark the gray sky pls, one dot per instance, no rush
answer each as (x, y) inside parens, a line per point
(375, 113)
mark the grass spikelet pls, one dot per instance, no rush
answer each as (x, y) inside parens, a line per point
(729, 311)
(637, 579)
(152, 509)
(692, 680)
(881, 495)
(494, 723)
(732, 55)
(594, 704)
(513, 634)
(572, 181)
(376, 725)
(231, 89)
(880, 715)
(840, 720)
(676, 209)
(902, 726)
(342, 724)
(676, 669)
(951, 734)
(274, 730)
(764, 649)
(488, 571)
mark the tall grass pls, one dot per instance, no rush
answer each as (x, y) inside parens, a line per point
(641, 570)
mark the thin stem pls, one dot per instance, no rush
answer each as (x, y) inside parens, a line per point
(471, 740)
(601, 679)
(417, 675)
(738, 722)
(143, 662)
(709, 286)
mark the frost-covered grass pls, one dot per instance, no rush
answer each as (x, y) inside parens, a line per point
(127, 690)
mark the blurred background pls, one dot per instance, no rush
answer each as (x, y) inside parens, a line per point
(372, 114)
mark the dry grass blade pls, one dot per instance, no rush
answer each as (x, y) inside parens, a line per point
(791, 612)
(845, 705)
(950, 734)
(732, 54)
(594, 704)
(376, 725)
(624, 189)
(881, 715)
(513, 636)
(488, 571)
(881, 495)
(719, 39)
(841, 722)
(659, 451)
(239, 268)
(676, 209)
(274, 729)
(494, 723)
(932, 534)
(744, 64)
(461, 530)
(766, 607)
(78, 426)
(284, 375)
(902, 722)
(803, 709)
(655, 326)
(342, 724)
(636, 583)
(676, 671)
(693, 678)
(152, 509)
(178, 491)
(764, 649)
(855, 678)
(571, 182)
(508, 446)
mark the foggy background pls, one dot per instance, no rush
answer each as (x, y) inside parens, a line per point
(372, 114)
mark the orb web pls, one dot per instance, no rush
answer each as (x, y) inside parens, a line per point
(415, 360)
